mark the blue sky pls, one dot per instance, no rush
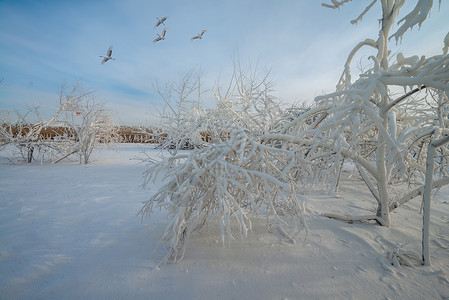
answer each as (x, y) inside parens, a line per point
(304, 45)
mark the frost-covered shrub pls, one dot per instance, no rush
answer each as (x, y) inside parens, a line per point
(230, 182)
(77, 126)
(230, 175)
(32, 137)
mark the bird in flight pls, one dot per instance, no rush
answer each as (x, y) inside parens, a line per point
(108, 55)
(160, 36)
(199, 36)
(160, 21)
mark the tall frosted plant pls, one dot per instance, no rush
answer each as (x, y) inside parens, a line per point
(365, 122)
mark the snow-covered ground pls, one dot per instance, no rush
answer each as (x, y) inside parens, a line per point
(70, 231)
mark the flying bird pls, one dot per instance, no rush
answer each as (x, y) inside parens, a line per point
(160, 36)
(199, 36)
(108, 55)
(160, 21)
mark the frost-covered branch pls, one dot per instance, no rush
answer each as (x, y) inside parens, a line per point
(335, 4)
(359, 18)
(416, 17)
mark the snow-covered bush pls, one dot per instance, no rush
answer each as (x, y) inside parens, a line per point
(78, 124)
(89, 122)
(95, 125)
(32, 136)
(236, 176)
(229, 182)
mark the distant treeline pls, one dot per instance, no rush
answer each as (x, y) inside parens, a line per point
(129, 134)
(126, 134)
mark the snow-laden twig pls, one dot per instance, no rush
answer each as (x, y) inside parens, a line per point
(400, 257)
(416, 17)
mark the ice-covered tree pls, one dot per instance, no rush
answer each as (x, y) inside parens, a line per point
(78, 124)
(89, 121)
(368, 122)
(29, 133)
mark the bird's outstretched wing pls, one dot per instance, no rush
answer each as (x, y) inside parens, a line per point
(163, 32)
(157, 23)
(160, 21)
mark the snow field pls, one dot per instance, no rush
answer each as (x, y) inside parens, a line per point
(70, 231)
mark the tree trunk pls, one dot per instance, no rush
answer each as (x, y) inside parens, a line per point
(426, 204)
(30, 154)
(426, 197)
(383, 211)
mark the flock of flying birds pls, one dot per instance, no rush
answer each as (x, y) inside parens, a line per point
(160, 37)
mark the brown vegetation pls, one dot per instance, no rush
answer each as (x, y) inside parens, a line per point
(140, 135)
(127, 134)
